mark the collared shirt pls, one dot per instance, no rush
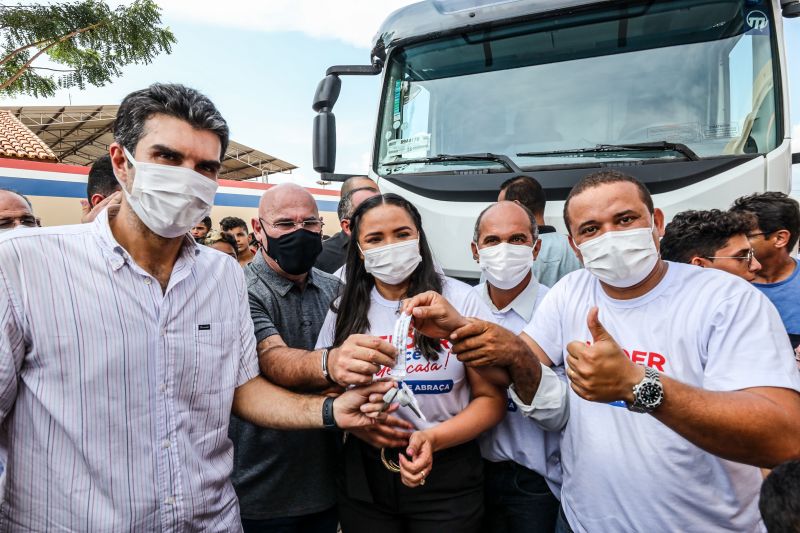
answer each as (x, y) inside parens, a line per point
(517, 438)
(115, 395)
(334, 253)
(556, 258)
(278, 474)
(519, 312)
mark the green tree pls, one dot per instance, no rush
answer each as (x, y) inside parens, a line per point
(88, 38)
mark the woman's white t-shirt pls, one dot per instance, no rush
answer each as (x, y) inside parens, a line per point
(440, 386)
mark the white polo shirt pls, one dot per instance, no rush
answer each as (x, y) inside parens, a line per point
(517, 438)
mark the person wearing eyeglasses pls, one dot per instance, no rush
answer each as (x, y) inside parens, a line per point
(237, 228)
(15, 212)
(286, 480)
(711, 239)
(774, 237)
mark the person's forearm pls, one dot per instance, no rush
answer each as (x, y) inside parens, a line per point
(526, 374)
(265, 404)
(482, 413)
(293, 368)
(741, 426)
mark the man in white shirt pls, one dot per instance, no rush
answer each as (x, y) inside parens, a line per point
(121, 357)
(522, 470)
(701, 351)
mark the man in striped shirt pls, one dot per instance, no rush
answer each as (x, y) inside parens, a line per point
(125, 346)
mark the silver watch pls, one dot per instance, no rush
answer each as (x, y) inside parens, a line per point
(648, 394)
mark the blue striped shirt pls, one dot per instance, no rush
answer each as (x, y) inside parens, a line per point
(115, 397)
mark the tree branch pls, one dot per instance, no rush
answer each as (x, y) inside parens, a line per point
(13, 53)
(66, 37)
(55, 69)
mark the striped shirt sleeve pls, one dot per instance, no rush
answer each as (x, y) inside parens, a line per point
(248, 362)
(12, 348)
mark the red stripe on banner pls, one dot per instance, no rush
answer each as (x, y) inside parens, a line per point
(78, 169)
(42, 166)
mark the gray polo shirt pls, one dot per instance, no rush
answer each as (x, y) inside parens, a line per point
(280, 474)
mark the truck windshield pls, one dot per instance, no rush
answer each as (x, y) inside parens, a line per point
(695, 72)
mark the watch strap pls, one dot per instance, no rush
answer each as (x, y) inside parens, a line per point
(328, 420)
(651, 377)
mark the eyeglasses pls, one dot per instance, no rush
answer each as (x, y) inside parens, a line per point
(749, 257)
(765, 233)
(311, 224)
(27, 221)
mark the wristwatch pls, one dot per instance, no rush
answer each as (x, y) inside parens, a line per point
(328, 420)
(648, 394)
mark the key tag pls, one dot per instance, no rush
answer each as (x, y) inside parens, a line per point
(403, 393)
(400, 341)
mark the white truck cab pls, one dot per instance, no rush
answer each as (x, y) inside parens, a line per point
(688, 96)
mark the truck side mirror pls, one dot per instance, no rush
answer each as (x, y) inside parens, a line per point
(324, 144)
(324, 141)
(327, 93)
(790, 8)
(796, 158)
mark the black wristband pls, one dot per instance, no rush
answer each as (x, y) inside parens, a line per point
(328, 420)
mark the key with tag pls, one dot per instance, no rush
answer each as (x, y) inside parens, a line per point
(402, 394)
(405, 397)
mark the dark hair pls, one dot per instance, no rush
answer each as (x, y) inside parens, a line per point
(206, 222)
(476, 234)
(220, 236)
(779, 503)
(169, 99)
(345, 208)
(101, 178)
(701, 233)
(527, 191)
(773, 211)
(351, 310)
(604, 177)
(352, 183)
(229, 223)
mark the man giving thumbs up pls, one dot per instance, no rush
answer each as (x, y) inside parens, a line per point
(701, 351)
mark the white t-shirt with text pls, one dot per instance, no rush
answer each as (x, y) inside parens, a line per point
(626, 472)
(440, 386)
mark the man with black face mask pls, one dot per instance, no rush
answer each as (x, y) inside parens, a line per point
(286, 478)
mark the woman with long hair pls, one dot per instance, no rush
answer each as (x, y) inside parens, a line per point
(432, 480)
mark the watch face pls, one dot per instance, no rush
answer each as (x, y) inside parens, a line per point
(650, 394)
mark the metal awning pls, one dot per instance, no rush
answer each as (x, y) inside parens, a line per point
(78, 135)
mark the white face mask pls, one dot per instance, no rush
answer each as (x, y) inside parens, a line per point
(506, 265)
(621, 258)
(169, 200)
(393, 263)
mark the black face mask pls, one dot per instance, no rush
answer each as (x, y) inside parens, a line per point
(295, 252)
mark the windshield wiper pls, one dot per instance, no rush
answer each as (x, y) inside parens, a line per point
(442, 158)
(663, 146)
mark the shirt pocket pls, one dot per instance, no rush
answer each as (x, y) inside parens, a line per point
(214, 357)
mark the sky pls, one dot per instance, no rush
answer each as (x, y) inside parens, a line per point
(260, 62)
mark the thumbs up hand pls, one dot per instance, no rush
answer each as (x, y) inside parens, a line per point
(601, 372)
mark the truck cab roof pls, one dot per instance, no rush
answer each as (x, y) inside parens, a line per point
(434, 18)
